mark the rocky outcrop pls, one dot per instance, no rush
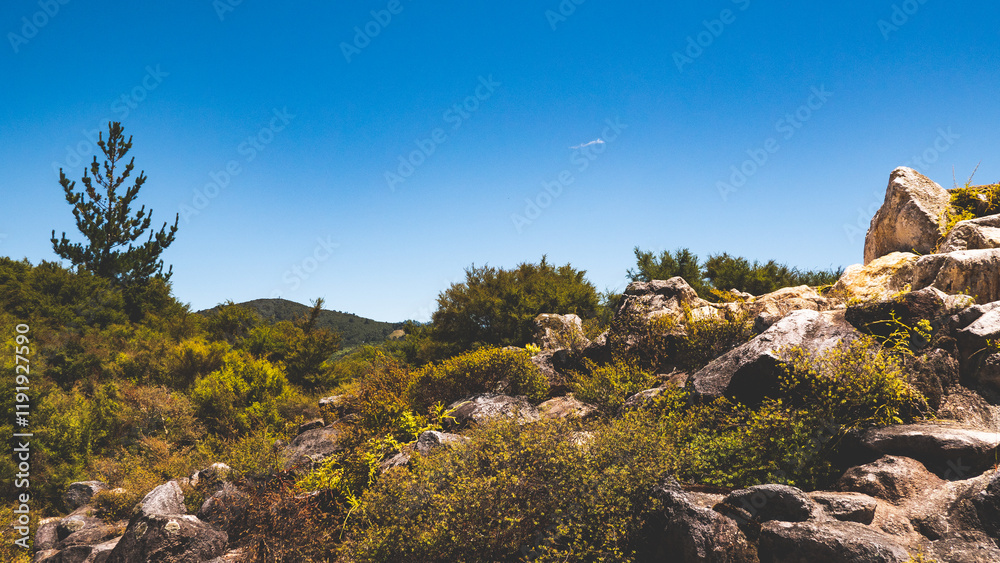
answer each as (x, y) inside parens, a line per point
(661, 297)
(556, 332)
(312, 446)
(910, 219)
(566, 406)
(225, 507)
(951, 451)
(877, 280)
(177, 538)
(488, 406)
(80, 493)
(848, 507)
(827, 542)
(890, 478)
(751, 371)
(966, 271)
(974, 234)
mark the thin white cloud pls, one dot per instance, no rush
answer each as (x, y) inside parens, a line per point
(594, 142)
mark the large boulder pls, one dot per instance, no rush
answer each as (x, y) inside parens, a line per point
(910, 217)
(987, 504)
(974, 339)
(688, 531)
(883, 317)
(312, 446)
(876, 280)
(974, 234)
(965, 271)
(890, 478)
(831, 541)
(659, 298)
(770, 502)
(848, 507)
(80, 493)
(771, 307)
(751, 372)
(482, 408)
(932, 374)
(168, 498)
(169, 539)
(97, 553)
(224, 508)
(950, 450)
(555, 332)
(564, 407)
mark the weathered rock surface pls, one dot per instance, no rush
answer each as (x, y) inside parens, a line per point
(751, 371)
(641, 399)
(832, 541)
(931, 304)
(966, 271)
(848, 507)
(891, 478)
(949, 450)
(430, 440)
(168, 498)
(97, 553)
(661, 297)
(910, 217)
(689, 533)
(967, 407)
(877, 280)
(566, 406)
(987, 503)
(80, 493)
(312, 446)
(974, 234)
(173, 538)
(771, 502)
(225, 507)
(489, 406)
(555, 332)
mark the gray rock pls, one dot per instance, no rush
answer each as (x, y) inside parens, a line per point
(564, 407)
(910, 217)
(965, 271)
(81, 519)
(771, 502)
(80, 493)
(169, 539)
(47, 535)
(973, 339)
(848, 507)
(950, 450)
(225, 507)
(488, 406)
(751, 372)
(168, 498)
(211, 478)
(987, 504)
(660, 297)
(974, 234)
(687, 533)
(311, 446)
(429, 441)
(891, 478)
(556, 332)
(311, 425)
(90, 535)
(832, 541)
(967, 407)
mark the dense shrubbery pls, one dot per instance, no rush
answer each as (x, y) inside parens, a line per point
(477, 372)
(722, 272)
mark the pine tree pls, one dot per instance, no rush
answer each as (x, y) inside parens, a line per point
(105, 218)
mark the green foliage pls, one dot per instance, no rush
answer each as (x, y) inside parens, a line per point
(607, 386)
(497, 307)
(723, 272)
(477, 372)
(232, 322)
(243, 393)
(104, 217)
(854, 386)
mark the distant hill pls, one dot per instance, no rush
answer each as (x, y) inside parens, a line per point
(354, 330)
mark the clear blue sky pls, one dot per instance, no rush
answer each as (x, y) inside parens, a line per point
(312, 116)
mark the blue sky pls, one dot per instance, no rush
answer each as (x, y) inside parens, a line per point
(375, 149)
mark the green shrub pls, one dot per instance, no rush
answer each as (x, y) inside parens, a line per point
(243, 393)
(857, 385)
(191, 359)
(607, 386)
(477, 372)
